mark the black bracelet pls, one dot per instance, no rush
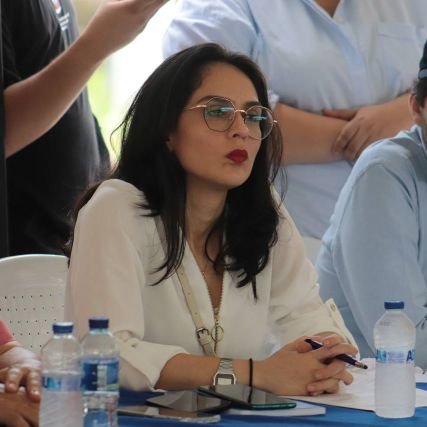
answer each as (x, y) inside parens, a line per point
(251, 372)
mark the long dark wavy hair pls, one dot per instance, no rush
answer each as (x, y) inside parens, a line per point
(250, 218)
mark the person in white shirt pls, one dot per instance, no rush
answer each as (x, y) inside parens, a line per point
(339, 74)
(190, 209)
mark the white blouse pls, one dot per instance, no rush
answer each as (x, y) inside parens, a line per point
(116, 251)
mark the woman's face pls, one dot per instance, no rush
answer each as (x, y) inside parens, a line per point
(220, 160)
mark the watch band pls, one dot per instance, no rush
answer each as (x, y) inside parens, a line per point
(225, 374)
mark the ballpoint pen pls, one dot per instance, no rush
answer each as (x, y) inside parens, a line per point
(344, 357)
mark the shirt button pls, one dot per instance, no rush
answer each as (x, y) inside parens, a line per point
(333, 307)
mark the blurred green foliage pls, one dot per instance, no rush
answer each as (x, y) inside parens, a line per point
(101, 104)
(98, 86)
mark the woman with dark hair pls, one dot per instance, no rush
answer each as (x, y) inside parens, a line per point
(187, 249)
(376, 247)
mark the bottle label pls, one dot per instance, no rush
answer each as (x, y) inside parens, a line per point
(101, 374)
(61, 383)
(395, 356)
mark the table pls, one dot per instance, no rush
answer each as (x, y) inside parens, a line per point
(335, 416)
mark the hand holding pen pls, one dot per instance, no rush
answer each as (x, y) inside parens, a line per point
(332, 371)
(344, 357)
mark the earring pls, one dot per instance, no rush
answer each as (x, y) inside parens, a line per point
(169, 145)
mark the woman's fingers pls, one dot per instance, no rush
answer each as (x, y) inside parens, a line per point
(21, 422)
(347, 133)
(346, 377)
(336, 369)
(329, 340)
(328, 379)
(330, 385)
(333, 345)
(13, 379)
(33, 385)
(342, 113)
(299, 345)
(326, 354)
(21, 375)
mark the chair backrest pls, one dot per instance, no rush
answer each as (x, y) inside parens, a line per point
(32, 294)
(312, 248)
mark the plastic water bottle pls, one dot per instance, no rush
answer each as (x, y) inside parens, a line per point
(61, 399)
(100, 375)
(394, 337)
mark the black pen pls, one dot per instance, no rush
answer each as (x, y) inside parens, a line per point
(344, 357)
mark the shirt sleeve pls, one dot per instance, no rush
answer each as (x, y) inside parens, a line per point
(375, 249)
(105, 278)
(228, 23)
(296, 307)
(5, 334)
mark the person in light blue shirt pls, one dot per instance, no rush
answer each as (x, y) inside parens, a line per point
(339, 73)
(376, 246)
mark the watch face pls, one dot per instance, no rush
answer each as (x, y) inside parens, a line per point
(224, 379)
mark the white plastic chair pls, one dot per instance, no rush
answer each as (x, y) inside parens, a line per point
(32, 294)
(312, 248)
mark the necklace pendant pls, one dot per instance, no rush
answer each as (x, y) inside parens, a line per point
(217, 333)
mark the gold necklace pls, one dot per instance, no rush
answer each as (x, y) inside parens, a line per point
(217, 331)
(203, 270)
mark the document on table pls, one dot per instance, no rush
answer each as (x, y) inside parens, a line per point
(359, 394)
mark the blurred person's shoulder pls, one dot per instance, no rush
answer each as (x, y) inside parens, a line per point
(400, 155)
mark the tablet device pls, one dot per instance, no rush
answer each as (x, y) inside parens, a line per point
(190, 401)
(243, 396)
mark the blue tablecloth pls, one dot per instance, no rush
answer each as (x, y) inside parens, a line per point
(334, 416)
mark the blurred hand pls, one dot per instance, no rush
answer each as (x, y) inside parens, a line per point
(27, 375)
(365, 126)
(296, 369)
(116, 23)
(16, 410)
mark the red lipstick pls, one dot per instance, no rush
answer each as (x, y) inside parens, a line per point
(238, 156)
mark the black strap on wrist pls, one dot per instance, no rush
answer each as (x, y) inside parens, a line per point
(251, 372)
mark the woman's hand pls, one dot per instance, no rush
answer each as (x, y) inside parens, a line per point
(116, 23)
(366, 125)
(297, 370)
(16, 410)
(25, 374)
(369, 124)
(328, 376)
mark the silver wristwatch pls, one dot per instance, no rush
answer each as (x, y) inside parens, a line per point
(225, 373)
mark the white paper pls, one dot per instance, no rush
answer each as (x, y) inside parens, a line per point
(360, 394)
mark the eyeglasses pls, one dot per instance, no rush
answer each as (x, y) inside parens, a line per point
(219, 114)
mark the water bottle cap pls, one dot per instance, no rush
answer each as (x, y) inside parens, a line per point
(98, 322)
(62, 328)
(394, 305)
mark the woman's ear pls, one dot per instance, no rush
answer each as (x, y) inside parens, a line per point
(417, 111)
(169, 144)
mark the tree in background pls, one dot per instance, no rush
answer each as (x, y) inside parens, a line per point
(115, 83)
